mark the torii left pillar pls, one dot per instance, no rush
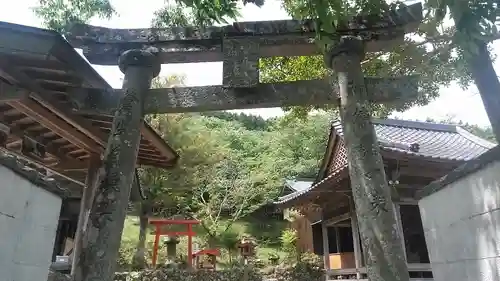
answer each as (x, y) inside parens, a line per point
(100, 245)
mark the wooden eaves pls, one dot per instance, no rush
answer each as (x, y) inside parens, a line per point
(38, 71)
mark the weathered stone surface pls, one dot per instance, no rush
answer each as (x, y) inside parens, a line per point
(241, 63)
(391, 91)
(104, 225)
(384, 255)
(359, 26)
(104, 45)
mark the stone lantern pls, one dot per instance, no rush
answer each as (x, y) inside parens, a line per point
(171, 243)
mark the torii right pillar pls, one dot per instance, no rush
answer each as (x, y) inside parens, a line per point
(384, 255)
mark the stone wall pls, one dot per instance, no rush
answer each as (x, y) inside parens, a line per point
(461, 221)
(28, 222)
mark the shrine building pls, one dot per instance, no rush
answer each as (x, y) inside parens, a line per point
(414, 155)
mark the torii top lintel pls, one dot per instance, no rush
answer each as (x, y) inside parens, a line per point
(274, 38)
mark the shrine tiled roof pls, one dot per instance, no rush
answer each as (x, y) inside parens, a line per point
(422, 139)
(438, 141)
(299, 185)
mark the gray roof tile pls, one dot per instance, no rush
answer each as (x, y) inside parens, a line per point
(298, 185)
(440, 141)
(437, 141)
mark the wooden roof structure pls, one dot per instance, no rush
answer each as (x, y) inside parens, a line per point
(39, 70)
(417, 149)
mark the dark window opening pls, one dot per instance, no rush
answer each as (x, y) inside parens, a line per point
(413, 231)
(345, 243)
(345, 239)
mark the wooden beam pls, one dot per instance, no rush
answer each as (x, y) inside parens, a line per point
(58, 126)
(72, 131)
(276, 38)
(55, 77)
(91, 185)
(337, 219)
(336, 215)
(39, 65)
(355, 238)
(9, 92)
(326, 246)
(158, 142)
(390, 91)
(76, 121)
(80, 124)
(430, 172)
(66, 162)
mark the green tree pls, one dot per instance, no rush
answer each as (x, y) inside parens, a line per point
(476, 24)
(298, 146)
(60, 14)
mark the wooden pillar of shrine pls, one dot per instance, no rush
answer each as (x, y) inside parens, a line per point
(326, 245)
(355, 239)
(85, 206)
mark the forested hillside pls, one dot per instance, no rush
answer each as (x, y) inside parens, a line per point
(229, 166)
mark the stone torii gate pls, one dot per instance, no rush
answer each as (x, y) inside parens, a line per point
(140, 53)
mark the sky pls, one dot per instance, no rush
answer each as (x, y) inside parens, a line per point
(454, 103)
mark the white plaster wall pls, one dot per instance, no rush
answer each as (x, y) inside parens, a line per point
(462, 227)
(28, 222)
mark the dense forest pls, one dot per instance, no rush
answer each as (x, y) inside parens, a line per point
(231, 163)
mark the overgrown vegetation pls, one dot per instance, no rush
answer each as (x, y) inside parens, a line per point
(231, 165)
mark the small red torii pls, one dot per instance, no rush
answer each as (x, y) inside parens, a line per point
(158, 223)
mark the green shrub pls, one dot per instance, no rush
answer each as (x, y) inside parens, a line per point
(312, 259)
(235, 273)
(289, 243)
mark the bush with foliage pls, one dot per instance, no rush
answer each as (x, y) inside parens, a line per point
(302, 271)
(235, 273)
(273, 258)
(289, 243)
(308, 268)
(312, 259)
